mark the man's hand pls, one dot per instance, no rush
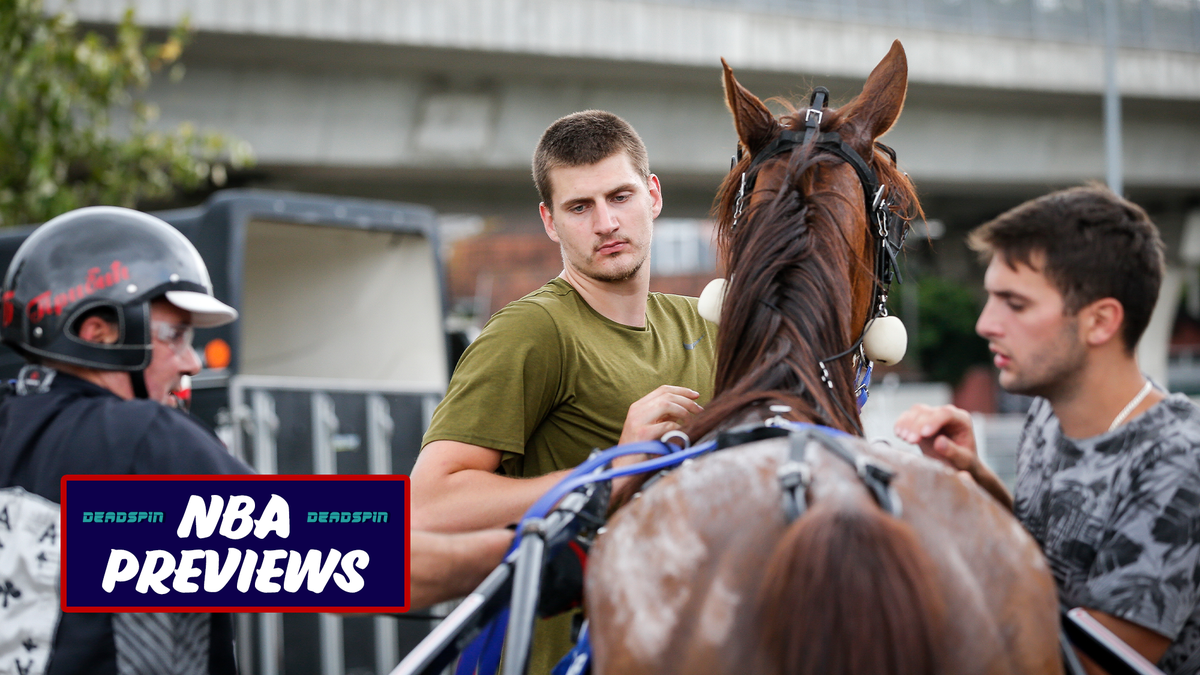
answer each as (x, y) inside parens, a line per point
(664, 409)
(946, 433)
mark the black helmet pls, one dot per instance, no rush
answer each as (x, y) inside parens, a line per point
(102, 256)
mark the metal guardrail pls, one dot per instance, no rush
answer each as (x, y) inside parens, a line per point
(1150, 24)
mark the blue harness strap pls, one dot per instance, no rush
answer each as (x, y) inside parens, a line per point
(489, 660)
(578, 661)
(469, 659)
(863, 386)
(482, 656)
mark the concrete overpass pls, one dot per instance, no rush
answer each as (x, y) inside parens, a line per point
(445, 100)
(442, 102)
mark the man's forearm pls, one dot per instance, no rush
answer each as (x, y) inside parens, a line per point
(451, 566)
(472, 499)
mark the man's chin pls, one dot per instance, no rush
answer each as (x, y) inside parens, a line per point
(616, 275)
(1015, 385)
(1011, 383)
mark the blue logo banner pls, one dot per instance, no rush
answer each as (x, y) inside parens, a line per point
(235, 543)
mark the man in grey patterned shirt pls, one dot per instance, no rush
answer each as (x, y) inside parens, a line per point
(1108, 475)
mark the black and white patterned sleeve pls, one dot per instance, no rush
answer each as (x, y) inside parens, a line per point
(1147, 566)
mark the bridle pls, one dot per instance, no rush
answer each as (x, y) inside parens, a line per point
(886, 225)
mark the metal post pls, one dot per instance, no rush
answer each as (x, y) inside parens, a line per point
(244, 625)
(266, 424)
(270, 646)
(1112, 101)
(380, 426)
(324, 427)
(332, 662)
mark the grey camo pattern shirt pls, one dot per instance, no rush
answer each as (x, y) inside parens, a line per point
(1118, 517)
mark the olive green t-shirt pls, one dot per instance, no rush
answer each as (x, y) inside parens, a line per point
(550, 378)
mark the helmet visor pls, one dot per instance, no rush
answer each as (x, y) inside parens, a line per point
(207, 311)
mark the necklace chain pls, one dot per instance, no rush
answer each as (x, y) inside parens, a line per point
(1137, 399)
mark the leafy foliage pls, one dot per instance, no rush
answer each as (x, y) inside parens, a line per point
(73, 131)
(946, 338)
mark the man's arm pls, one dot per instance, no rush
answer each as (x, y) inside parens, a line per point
(455, 489)
(1143, 640)
(945, 433)
(446, 566)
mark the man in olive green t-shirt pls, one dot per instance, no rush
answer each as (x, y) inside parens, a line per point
(589, 360)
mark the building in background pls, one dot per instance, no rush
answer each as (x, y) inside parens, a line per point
(441, 103)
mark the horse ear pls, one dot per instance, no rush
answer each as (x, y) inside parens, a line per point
(754, 123)
(882, 96)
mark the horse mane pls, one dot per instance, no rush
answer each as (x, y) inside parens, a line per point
(789, 267)
(789, 295)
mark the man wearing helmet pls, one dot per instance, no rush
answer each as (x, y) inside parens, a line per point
(102, 302)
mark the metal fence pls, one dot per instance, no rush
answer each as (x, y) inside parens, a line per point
(1150, 24)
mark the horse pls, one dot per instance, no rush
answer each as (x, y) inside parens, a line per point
(706, 571)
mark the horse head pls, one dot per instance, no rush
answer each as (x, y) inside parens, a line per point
(808, 242)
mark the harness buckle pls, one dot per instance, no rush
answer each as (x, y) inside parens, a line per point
(809, 113)
(793, 474)
(737, 205)
(877, 200)
(869, 470)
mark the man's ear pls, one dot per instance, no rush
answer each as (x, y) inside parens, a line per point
(548, 221)
(656, 200)
(95, 329)
(1101, 321)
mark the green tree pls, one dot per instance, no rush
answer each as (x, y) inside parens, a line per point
(73, 130)
(946, 338)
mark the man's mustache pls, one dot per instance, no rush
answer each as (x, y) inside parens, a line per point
(611, 240)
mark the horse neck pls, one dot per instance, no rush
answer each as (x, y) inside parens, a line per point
(795, 281)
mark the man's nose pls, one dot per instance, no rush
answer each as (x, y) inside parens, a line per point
(190, 361)
(987, 326)
(605, 219)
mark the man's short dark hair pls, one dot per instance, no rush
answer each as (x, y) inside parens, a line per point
(584, 138)
(1096, 245)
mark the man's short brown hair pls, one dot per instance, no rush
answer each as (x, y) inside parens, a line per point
(584, 138)
(1096, 245)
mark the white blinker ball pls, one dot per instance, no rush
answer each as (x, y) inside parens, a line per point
(711, 300)
(885, 340)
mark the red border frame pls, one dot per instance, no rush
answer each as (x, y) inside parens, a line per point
(62, 517)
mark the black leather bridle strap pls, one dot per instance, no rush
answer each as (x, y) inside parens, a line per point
(832, 142)
(795, 474)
